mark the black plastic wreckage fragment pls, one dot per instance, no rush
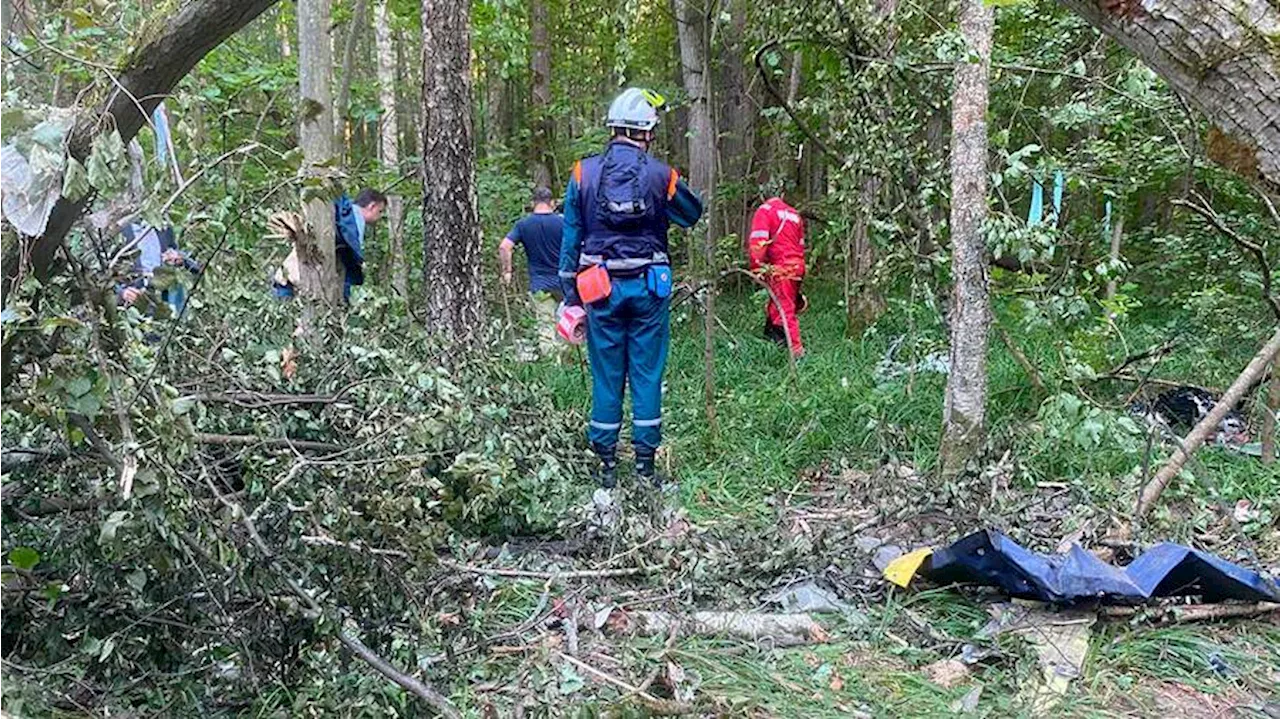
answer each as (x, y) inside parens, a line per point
(989, 558)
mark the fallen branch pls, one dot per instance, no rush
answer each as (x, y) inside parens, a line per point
(1018, 356)
(258, 400)
(320, 540)
(1257, 366)
(1190, 612)
(1126, 377)
(1201, 207)
(433, 698)
(781, 630)
(526, 574)
(658, 705)
(248, 439)
(1269, 419)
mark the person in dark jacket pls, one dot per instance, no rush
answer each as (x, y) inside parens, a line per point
(351, 219)
(617, 209)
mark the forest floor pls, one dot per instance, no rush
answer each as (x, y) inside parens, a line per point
(807, 478)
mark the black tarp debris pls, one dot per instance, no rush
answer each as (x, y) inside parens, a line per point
(1166, 570)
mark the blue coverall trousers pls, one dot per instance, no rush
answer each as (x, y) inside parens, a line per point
(627, 338)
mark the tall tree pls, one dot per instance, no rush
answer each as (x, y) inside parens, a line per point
(541, 96)
(343, 106)
(964, 408)
(316, 257)
(389, 144)
(692, 34)
(450, 221)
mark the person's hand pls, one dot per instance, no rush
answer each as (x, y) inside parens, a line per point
(172, 257)
(506, 278)
(131, 295)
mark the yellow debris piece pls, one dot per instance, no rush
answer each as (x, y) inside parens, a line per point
(901, 570)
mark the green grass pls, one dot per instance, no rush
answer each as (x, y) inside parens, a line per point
(772, 427)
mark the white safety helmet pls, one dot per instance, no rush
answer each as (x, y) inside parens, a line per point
(635, 109)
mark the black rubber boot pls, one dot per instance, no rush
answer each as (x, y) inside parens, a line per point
(646, 468)
(607, 472)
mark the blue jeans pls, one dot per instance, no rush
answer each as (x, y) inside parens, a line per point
(628, 334)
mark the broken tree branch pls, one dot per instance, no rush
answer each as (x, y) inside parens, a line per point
(1201, 207)
(248, 439)
(779, 630)
(526, 574)
(433, 698)
(1178, 614)
(1151, 493)
(1018, 356)
(658, 705)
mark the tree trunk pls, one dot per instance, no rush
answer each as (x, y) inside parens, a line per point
(1221, 56)
(964, 409)
(540, 100)
(694, 51)
(693, 63)
(282, 31)
(735, 143)
(318, 263)
(343, 108)
(389, 137)
(450, 221)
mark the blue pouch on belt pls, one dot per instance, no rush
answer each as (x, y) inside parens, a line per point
(658, 279)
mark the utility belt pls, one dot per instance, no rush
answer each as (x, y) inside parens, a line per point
(593, 277)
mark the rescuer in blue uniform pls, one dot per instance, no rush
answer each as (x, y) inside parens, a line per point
(617, 209)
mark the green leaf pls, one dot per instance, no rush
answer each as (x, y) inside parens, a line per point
(136, 579)
(79, 386)
(24, 558)
(182, 405)
(75, 180)
(112, 526)
(105, 171)
(108, 647)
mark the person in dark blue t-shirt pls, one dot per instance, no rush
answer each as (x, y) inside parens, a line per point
(540, 235)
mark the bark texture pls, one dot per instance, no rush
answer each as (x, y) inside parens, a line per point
(389, 144)
(695, 71)
(1221, 55)
(318, 263)
(964, 408)
(540, 65)
(451, 227)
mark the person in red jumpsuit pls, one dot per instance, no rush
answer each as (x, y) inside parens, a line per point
(775, 249)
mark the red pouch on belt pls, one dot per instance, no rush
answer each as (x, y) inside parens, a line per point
(593, 284)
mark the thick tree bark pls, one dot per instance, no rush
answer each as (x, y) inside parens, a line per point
(318, 263)
(390, 145)
(450, 221)
(964, 410)
(695, 70)
(736, 117)
(540, 101)
(1221, 56)
(693, 62)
